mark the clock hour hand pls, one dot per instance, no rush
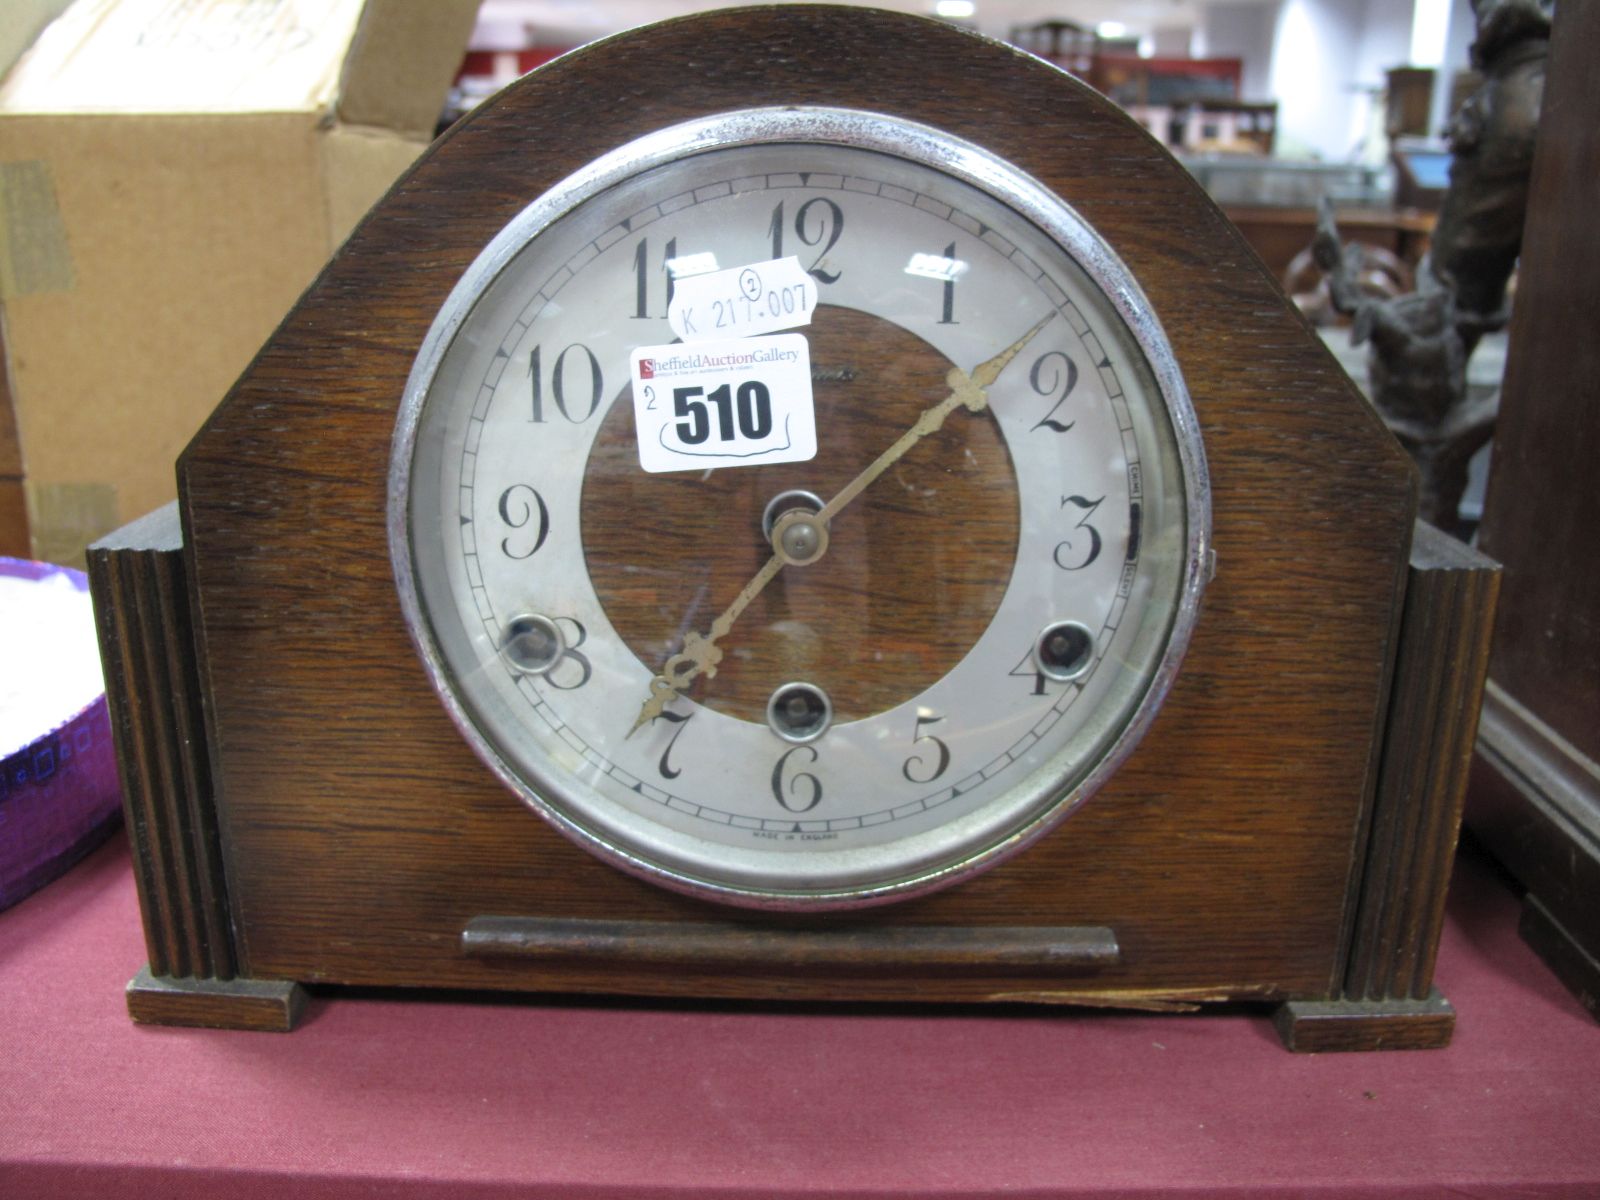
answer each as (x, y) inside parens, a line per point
(803, 539)
(701, 654)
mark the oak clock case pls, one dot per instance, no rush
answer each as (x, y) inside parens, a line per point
(995, 613)
(1273, 821)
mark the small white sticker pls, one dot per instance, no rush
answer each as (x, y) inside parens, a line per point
(763, 297)
(743, 402)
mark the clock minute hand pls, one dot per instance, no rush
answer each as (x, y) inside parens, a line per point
(701, 654)
(965, 390)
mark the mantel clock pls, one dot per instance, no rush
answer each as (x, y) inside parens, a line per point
(800, 503)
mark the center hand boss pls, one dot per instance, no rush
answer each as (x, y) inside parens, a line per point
(701, 654)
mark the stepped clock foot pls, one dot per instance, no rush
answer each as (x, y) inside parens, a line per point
(1318, 1026)
(267, 1005)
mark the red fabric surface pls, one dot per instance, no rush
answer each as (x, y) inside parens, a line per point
(453, 1097)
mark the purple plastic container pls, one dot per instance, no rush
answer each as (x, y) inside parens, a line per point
(59, 795)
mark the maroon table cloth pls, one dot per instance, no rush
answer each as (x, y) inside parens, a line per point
(452, 1096)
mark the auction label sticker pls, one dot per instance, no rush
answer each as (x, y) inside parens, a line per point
(740, 402)
(763, 297)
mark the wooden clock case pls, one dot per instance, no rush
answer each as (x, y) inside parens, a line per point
(302, 810)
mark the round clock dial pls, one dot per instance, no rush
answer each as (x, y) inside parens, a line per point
(815, 683)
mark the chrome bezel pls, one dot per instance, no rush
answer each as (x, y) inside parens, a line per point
(922, 145)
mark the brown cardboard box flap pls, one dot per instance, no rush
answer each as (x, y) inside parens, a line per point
(381, 63)
(172, 176)
(403, 59)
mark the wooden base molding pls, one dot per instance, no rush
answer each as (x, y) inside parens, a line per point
(1320, 1026)
(301, 806)
(264, 1005)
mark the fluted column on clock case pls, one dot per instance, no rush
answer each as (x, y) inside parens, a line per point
(153, 691)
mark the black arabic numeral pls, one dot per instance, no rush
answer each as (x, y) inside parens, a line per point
(722, 397)
(1046, 386)
(1069, 545)
(775, 229)
(755, 409)
(751, 409)
(678, 719)
(516, 510)
(917, 738)
(1028, 669)
(794, 783)
(948, 317)
(535, 374)
(828, 225)
(641, 277)
(572, 654)
(558, 384)
(698, 428)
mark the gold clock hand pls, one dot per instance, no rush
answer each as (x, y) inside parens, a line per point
(965, 390)
(701, 654)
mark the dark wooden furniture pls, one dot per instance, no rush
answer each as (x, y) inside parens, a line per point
(1408, 101)
(1071, 46)
(1535, 796)
(1131, 80)
(1279, 234)
(303, 811)
(1235, 123)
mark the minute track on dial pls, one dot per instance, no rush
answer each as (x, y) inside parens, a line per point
(701, 654)
(945, 738)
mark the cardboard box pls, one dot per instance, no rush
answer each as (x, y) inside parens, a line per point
(173, 174)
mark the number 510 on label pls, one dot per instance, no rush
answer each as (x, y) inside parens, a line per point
(741, 402)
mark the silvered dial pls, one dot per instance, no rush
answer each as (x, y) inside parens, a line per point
(942, 651)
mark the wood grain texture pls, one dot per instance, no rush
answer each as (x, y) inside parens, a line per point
(1534, 800)
(362, 835)
(1321, 1027)
(1427, 749)
(141, 601)
(1535, 795)
(912, 571)
(1542, 507)
(267, 1006)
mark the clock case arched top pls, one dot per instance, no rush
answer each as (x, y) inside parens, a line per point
(349, 836)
